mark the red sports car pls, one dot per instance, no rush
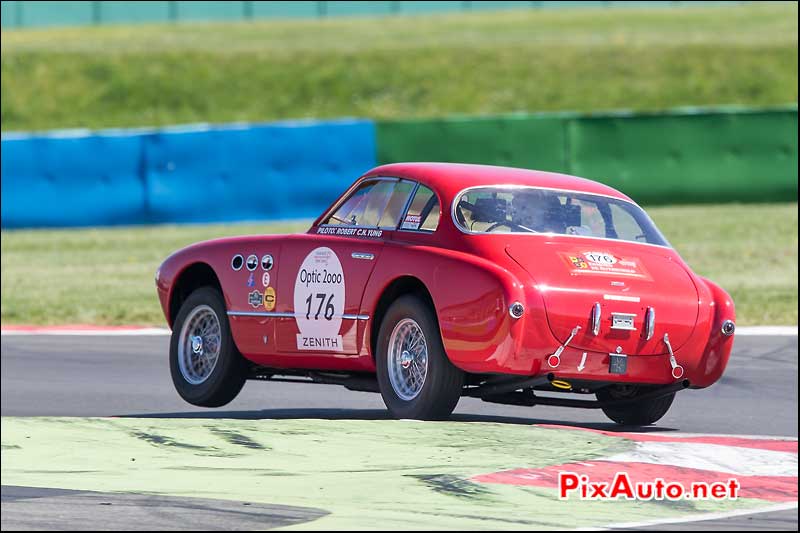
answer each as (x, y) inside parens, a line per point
(430, 281)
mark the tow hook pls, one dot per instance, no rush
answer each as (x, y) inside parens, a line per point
(677, 370)
(555, 358)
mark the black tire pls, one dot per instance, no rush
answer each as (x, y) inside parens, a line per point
(230, 372)
(636, 413)
(443, 383)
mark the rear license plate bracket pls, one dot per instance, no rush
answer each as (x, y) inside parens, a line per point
(618, 363)
(623, 321)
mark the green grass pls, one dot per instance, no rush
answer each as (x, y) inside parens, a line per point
(527, 60)
(105, 276)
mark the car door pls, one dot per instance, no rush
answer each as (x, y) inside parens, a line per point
(323, 273)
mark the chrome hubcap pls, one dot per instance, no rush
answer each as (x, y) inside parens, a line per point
(405, 359)
(199, 344)
(408, 359)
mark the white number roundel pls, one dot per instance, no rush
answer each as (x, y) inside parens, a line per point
(319, 301)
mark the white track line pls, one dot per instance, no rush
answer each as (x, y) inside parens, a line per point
(699, 518)
(89, 332)
(755, 331)
(751, 331)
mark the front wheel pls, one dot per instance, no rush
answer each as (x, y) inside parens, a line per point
(207, 369)
(637, 412)
(416, 378)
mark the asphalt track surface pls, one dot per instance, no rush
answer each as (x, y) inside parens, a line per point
(129, 377)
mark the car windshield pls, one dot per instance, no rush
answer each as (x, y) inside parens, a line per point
(513, 209)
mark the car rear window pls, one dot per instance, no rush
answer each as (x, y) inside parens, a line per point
(513, 209)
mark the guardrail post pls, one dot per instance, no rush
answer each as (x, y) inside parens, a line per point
(173, 11)
(97, 14)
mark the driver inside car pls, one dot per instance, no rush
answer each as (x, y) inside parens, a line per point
(529, 209)
(537, 211)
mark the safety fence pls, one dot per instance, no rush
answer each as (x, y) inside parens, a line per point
(26, 14)
(295, 169)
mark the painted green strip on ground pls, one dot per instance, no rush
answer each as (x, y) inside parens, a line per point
(368, 474)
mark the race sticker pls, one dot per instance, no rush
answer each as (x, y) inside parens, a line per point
(411, 222)
(319, 301)
(251, 280)
(269, 299)
(265, 279)
(255, 299)
(605, 263)
(352, 232)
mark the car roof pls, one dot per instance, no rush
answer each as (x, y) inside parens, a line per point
(448, 179)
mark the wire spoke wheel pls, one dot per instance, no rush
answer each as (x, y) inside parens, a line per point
(199, 344)
(407, 359)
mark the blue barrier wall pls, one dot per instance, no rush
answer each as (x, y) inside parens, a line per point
(192, 174)
(33, 14)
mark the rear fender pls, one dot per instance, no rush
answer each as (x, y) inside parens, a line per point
(717, 351)
(471, 297)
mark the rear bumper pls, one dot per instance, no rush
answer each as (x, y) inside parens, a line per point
(702, 363)
(641, 369)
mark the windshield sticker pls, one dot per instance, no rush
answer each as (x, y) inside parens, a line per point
(604, 263)
(350, 232)
(411, 222)
(319, 301)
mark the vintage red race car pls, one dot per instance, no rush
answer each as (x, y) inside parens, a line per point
(431, 281)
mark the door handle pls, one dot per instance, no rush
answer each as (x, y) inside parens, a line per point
(362, 255)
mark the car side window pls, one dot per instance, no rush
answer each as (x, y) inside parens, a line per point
(373, 204)
(424, 212)
(397, 201)
(377, 200)
(352, 209)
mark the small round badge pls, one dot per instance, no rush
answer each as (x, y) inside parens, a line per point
(266, 262)
(252, 262)
(237, 261)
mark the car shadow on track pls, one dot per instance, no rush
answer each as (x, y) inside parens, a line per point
(380, 414)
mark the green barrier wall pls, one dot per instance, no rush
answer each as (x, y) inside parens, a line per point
(23, 13)
(503, 141)
(676, 157)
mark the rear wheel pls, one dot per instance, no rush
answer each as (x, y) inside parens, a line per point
(207, 369)
(416, 378)
(635, 413)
